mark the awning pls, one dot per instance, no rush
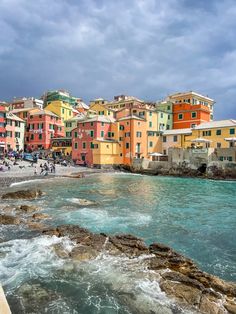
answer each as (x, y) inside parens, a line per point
(230, 139)
(156, 154)
(201, 140)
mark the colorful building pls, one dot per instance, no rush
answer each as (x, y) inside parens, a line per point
(175, 138)
(2, 128)
(61, 146)
(190, 109)
(98, 128)
(214, 134)
(72, 123)
(62, 109)
(165, 115)
(31, 102)
(42, 126)
(101, 109)
(15, 131)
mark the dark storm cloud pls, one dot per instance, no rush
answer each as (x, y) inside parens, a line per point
(100, 48)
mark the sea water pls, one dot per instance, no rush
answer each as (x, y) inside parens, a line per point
(195, 217)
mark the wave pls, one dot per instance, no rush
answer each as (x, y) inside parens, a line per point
(25, 182)
(25, 259)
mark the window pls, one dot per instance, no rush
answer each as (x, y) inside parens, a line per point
(164, 151)
(232, 131)
(127, 134)
(17, 134)
(150, 124)
(31, 126)
(91, 145)
(40, 126)
(168, 116)
(161, 115)
(164, 139)
(76, 145)
(121, 155)
(63, 110)
(194, 115)
(218, 132)
(206, 133)
(109, 113)
(218, 145)
(120, 138)
(91, 123)
(150, 113)
(175, 138)
(91, 133)
(102, 133)
(32, 136)
(121, 127)
(76, 134)
(193, 126)
(168, 107)
(150, 144)
(127, 145)
(127, 123)
(139, 134)
(230, 158)
(40, 136)
(83, 124)
(24, 114)
(180, 116)
(84, 145)
(102, 123)
(68, 134)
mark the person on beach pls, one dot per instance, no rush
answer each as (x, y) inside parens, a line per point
(35, 171)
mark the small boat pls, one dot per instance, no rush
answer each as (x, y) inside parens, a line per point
(30, 157)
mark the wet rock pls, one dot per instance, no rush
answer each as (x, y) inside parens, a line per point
(36, 226)
(83, 202)
(82, 253)
(230, 306)
(210, 306)
(23, 194)
(183, 292)
(40, 216)
(9, 220)
(27, 208)
(129, 245)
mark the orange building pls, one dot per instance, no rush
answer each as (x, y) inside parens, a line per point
(190, 109)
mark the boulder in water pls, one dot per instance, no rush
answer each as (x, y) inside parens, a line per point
(82, 202)
(23, 194)
(40, 216)
(9, 220)
(27, 208)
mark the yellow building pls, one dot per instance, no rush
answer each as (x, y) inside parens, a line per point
(101, 109)
(61, 146)
(72, 123)
(60, 108)
(214, 134)
(107, 152)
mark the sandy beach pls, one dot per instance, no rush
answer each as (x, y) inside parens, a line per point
(23, 171)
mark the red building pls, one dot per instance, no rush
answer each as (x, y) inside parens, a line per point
(83, 135)
(42, 126)
(191, 109)
(2, 128)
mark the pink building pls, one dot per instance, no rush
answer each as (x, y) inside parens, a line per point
(98, 127)
(42, 126)
(2, 128)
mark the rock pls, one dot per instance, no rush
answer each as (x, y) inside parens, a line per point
(183, 292)
(8, 209)
(36, 226)
(23, 194)
(9, 220)
(27, 208)
(82, 202)
(129, 245)
(179, 277)
(230, 306)
(40, 216)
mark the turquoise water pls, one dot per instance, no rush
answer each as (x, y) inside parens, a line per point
(196, 217)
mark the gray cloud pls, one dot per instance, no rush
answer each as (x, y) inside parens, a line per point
(99, 48)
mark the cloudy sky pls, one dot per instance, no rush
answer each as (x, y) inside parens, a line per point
(101, 48)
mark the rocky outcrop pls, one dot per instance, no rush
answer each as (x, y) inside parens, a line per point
(178, 276)
(27, 208)
(9, 220)
(23, 194)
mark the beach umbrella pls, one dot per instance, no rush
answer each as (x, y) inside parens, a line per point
(201, 140)
(230, 139)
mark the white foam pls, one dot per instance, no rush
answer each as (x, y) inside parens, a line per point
(27, 259)
(25, 182)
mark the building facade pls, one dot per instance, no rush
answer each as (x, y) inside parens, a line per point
(15, 131)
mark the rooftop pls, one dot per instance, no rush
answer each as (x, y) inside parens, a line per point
(177, 132)
(191, 93)
(131, 117)
(216, 124)
(12, 116)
